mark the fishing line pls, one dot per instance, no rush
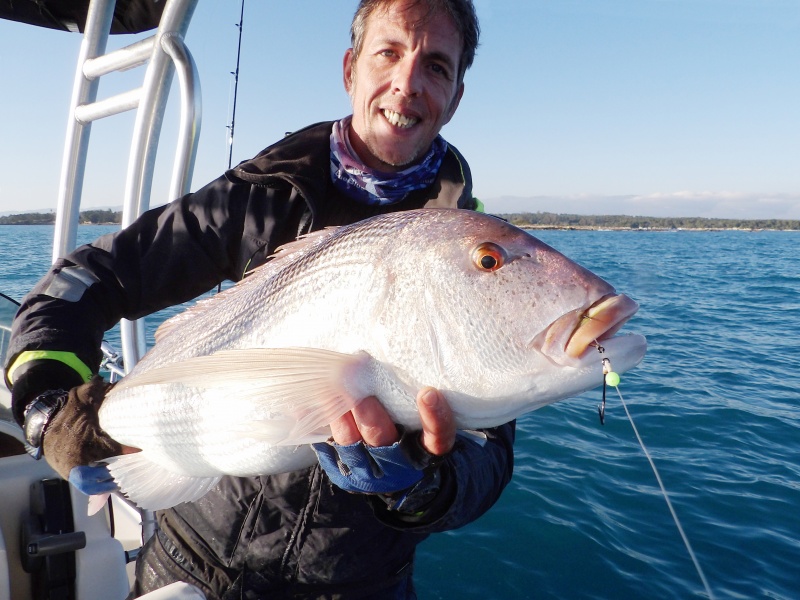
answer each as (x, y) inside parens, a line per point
(611, 378)
(667, 500)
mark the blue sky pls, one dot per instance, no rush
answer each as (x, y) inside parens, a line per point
(646, 107)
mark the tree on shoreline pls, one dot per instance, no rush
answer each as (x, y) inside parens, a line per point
(566, 221)
(86, 217)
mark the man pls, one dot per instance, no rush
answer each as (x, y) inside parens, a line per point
(320, 532)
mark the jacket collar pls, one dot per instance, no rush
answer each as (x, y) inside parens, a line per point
(302, 160)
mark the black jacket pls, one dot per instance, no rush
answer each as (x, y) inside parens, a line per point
(293, 533)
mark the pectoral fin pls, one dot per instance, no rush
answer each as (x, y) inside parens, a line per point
(96, 503)
(299, 390)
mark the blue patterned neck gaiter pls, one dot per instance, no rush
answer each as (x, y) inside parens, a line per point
(357, 181)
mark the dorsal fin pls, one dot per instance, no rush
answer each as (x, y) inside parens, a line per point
(282, 256)
(290, 251)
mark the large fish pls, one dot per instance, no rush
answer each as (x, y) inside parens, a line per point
(242, 383)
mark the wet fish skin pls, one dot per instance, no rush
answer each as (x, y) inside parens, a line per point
(465, 302)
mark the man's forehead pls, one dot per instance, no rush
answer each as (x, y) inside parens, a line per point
(408, 15)
(412, 13)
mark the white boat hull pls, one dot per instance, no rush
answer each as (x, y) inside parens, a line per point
(101, 569)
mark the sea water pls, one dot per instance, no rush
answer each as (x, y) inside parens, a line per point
(715, 401)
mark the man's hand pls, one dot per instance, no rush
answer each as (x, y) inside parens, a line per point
(73, 437)
(370, 422)
(370, 454)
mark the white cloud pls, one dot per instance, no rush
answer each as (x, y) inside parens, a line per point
(724, 205)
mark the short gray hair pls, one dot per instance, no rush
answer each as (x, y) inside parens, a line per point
(461, 11)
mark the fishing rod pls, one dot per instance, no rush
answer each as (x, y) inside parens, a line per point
(2, 295)
(235, 87)
(235, 74)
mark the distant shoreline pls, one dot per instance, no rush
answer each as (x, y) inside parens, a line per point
(545, 220)
(532, 221)
(557, 228)
(86, 217)
(51, 224)
(646, 229)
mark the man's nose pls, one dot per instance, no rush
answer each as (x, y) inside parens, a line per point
(408, 77)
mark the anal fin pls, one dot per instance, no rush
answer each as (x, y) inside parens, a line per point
(150, 486)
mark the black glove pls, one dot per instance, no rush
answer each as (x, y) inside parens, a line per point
(73, 436)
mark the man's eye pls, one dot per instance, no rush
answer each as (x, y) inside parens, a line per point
(440, 70)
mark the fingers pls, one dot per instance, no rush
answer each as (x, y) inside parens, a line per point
(344, 430)
(368, 421)
(438, 422)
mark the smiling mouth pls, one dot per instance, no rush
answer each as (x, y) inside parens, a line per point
(569, 336)
(398, 120)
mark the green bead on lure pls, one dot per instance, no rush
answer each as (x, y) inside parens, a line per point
(609, 378)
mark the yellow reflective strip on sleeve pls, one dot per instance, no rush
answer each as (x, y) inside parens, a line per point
(479, 205)
(68, 358)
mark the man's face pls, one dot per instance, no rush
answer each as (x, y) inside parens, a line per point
(403, 86)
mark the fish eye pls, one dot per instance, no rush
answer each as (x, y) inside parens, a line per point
(488, 257)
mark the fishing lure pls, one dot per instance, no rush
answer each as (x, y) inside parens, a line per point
(610, 378)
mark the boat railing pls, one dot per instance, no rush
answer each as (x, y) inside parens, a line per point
(5, 335)
(8, 308)
(165, 53)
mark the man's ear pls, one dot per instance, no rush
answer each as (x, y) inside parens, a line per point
(347, 70)
(454, 104)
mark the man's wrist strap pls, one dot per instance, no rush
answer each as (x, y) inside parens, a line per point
(38, 415)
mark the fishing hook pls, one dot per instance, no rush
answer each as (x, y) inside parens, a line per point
(601, 409)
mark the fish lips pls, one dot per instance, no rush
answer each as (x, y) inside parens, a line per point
(568, 338)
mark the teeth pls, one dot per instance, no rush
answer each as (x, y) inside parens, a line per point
(398, 120)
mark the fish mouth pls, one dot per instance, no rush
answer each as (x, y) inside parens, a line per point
(569, 336)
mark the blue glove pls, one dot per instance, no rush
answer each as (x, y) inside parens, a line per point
(374, 470)
(92, 481)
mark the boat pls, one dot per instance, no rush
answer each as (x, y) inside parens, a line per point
(49, 546)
